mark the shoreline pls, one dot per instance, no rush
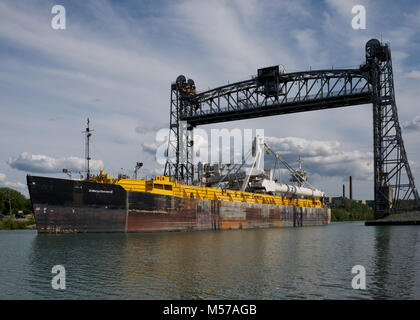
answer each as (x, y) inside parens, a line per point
(11, 223)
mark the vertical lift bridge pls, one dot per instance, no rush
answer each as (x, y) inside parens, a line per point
(274, 92)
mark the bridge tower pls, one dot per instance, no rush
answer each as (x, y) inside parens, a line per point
(179, 163)
(393, 180)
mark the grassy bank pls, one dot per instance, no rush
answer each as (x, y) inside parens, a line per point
(10, 223)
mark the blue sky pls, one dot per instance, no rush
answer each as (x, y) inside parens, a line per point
(116, 59)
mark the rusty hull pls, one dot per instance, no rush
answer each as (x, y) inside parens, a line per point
(78, 206)
(151, 212)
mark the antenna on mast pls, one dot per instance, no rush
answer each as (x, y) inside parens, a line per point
(88, 134)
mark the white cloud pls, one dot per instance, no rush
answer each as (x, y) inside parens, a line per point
(343, 7)
(306, 39)
(10, 184)
(223, 34)
(151, 147)
(414, 74)
(413, 125)
(152, 172)
(15, 185)
(150, 129)
(44, 164)
(301, 146)
(324, 158)
(343, 164)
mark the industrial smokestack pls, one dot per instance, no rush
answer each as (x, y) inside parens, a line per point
(351, 189)
(344, 190)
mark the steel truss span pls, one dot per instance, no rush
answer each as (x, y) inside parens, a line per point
(274, 92)
(296, 92)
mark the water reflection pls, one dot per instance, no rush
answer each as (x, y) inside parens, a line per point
(213, 264)
(303, 263)
(396, 268)
(92, 262)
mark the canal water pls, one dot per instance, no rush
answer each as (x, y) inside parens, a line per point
(288, 263)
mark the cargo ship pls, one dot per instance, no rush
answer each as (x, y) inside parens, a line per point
(100, 203)
(63, 205)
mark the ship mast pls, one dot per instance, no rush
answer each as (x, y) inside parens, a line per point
(88, 134)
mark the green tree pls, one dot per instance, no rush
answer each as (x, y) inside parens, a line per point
(13, 199)
(350, 210)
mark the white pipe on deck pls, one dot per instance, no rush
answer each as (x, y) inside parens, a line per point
(272, 186)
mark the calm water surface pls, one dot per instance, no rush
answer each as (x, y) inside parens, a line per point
(301, 263)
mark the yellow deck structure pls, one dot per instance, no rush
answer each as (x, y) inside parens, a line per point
(164, 186)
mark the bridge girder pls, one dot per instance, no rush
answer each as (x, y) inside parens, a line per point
(296, 92)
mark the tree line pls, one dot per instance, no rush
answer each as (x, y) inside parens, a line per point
(350, 210)
(12, 201)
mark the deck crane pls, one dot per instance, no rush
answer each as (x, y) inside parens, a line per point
(271, 186)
